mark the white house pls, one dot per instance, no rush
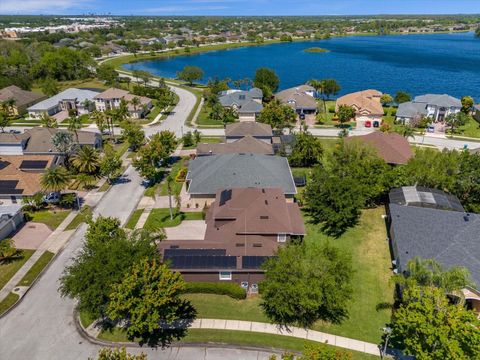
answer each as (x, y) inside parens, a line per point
(436, 107)
(112, 98)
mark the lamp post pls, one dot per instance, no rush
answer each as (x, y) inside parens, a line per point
(386, 331)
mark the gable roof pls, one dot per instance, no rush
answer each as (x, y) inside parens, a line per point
(364, 102)
(240, 98)
(21, 97)
(247, 144)
(391, 147)
(80, 95)
(112, 93)
(250, 106)
(297, 98)
(208, 174)
(439, 100)
(252, 128)
(449, 237)
(410, 109)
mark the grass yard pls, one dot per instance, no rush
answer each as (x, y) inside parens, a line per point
(372, 296)
(8, 268)
(51, 218)
(8, 302)
(176, 186)
(85, 318)
(205, 120)
(36, 269)
(198, 95)
(80, 218)
(205, 140)
(133, 220)
(121, 148)
(105, 186)
(470, 129)
(160, 218)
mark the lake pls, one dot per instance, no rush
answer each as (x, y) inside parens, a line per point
(418, 64)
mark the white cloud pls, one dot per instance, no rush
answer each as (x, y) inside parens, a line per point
(39, 6)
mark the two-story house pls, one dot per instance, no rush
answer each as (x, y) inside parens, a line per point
(112, 98)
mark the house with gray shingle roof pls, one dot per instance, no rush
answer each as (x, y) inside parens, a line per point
(436, 107)
(207, 174)
(21, 99)
(450, 237)
(247, 104)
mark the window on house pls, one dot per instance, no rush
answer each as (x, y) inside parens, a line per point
(257, 245)
(240, 245)
(282, 237)
(225, 275)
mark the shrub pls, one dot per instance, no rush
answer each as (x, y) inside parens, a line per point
(68, 200)
(229, 289)
(393, 112)
(182, 174)
(331, 109)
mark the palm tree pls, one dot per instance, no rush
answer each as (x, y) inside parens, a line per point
(169, 181)
(8, 105)
(100, 120)
(48, 121)
(128, 80)
(4, 121)
(135, 102)
(407, 132)
(86, 160)
(55, 179)
(75, 124)
(87, 104)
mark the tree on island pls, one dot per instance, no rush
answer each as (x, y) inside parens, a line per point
(317, 285)
(266, 80)
(402, 97)
(190, 74)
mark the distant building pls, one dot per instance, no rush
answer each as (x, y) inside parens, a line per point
(247, 104)
(21, 99)
(80, 100)
(112, 98)
(367, 105)
(436, 107)
(245, 227)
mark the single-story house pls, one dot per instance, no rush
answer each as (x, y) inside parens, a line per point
(38, 141)
(112, 97)
(436, 107)
(11, 217)
(21, 99)
(20, 175)
(247, 144)
(367, 105)
(239, 130)
(80, 100)
(245, 227)
(207, 174)
(247, 104)
(424, 228)
(391, 147)
(301, 99)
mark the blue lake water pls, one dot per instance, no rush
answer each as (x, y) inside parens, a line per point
(418, 64)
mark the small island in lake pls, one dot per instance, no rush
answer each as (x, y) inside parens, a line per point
(316, 50)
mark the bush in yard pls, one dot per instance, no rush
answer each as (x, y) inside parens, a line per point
(118, 354)
(331, 109)
(317, 352)
(229, 289)
(68, 200)
(181, 176)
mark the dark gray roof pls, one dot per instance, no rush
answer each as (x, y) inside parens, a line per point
(425, 197)
(207, 174)
(410, 109)
(239, 97)
(449, 237)
(439, 100)
(245, 128)
(251, 107)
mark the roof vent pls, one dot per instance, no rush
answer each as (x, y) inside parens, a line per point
(466, 217)
(266, 202)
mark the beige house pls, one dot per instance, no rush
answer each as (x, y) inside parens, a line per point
(367, 105)
(16, 100)
(112, 97)
(302, 100)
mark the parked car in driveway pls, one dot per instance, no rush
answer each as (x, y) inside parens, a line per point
(52, 198)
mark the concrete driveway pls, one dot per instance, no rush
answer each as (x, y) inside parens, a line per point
(31, 236)
(187, 230)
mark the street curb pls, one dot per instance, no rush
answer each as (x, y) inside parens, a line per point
(83, 333)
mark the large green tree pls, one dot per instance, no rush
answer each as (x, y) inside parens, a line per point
(55, 179)
(305, 283)
(190, 74)
(402, 97)
(345, 113)
(307, 150)
(277, 115)
(467, 104)
(86, 160)
(148, 299)
(266, 80)
(429, 327)
(107, 254)
(133, 134)
(107, 73)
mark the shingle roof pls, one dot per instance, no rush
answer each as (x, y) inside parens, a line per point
(391, 147)
(364, 102)
(251, 128)
(297, 99)
(449, 237)
(242, 98)
(80, 95)
(208, 174)
(410, 109)
(439, 100)
(111, 93)
(251, 106)
(247, 144)
(21, 97)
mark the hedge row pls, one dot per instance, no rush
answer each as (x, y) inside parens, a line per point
(222, 288)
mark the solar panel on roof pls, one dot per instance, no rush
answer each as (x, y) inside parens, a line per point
(8, 184)
(193, 252)
(225, 195)
(33, 164)
(203, 262)
(254, 262)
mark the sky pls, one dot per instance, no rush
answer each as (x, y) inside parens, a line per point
(239, 7)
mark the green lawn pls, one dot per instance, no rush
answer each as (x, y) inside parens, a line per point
(105, 186)
(80, 218)
(121, 148)
(85, 318)
(176, 186)
(8, 302)
(51, 218)
(36, 269)
(198, 95)
(233, 337)
(470, 129)
(372, 291)
(133, 220)
(8, 268)
(205, 120)
(160, 218)
(205, 140)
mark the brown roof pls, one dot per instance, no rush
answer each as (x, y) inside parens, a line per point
(247, 144)
(366, 102)
(112, 93)
(246, 222)
(17, 181)
(297, 98)
(391, 147)
(22, 97)
(9, 138)
(251, 128)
